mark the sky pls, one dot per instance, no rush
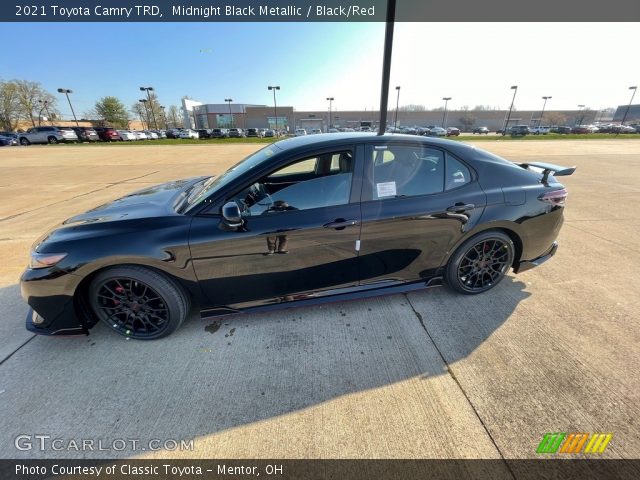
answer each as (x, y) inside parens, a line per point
(474, 63)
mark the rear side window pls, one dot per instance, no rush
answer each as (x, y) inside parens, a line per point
(407, 171)
(457, 174)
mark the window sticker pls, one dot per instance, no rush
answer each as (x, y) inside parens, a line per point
(386, 189)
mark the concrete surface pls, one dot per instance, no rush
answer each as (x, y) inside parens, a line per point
(426, 375)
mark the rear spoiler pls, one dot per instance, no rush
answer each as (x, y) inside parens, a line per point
(548, 168)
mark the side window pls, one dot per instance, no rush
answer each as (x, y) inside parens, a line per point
(407, 171)
(457, 173)
(316, 182)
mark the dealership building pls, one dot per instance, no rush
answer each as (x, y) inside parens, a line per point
(239, 115)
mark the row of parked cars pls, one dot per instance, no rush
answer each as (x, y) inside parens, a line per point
(54, 134)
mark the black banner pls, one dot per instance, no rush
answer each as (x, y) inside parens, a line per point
(319, 469)
(317, 11)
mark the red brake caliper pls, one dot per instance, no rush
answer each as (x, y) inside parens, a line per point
(119, 289)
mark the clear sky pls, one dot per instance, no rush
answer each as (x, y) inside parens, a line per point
(474, 63)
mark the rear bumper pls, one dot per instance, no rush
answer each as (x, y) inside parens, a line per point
(529, 264)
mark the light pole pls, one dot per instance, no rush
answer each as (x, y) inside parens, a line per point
(144, 102)
(229, 100)
(275, 105)
(44, 105)
(164, 116)
(331, 99)
(66, 91)
(150, 89)
(543, 106)
(581, 115)
(444, 115)
(634, 88)
(515, 90)
(395, 119)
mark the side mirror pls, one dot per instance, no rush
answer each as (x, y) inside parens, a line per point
(231, 215)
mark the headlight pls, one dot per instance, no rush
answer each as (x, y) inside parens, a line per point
(44, 260)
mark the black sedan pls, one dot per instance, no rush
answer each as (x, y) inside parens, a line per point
(343, 215)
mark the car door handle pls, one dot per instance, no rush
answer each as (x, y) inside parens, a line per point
(340, 224)
(461, 207)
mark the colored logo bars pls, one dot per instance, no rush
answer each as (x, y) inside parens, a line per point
(574, 443)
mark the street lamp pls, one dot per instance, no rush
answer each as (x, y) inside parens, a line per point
(164, 116)
(229, 100)
(444, 115)
(331, 99)
(395, 119)
(543, 106)
(275, 105)
(634, 88)
(66, 91)
(144, 102)
(150, 89)
(515, 90)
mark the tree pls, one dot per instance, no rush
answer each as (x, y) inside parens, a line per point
(467, 120)
(554, 118)
(412, 108)
(174, 117)
(484, 108)
(33, 101)
(139, 111)
(9, 106)
(111, 112)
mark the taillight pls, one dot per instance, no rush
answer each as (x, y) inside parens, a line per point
(555, 197)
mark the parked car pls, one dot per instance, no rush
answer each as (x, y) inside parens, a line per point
(519, 130)
(481, 131)
(219, 133)
(140, 135)
(453, 132)
(107, 134)
(173, 133)
(580, 129)
(315, 131)
(253, 132)
(539, 130)
(161, 133)
(564, 130)
(7, 141)
(11, 135)
(86, 134)
(623, 129)
(422, 131)
(269, 133)
(196, 239)
(236, 133)
(334, 130)
(188, 133)
(300, 132)
(151, 135)
(204, 133)
(437, 132)
(47, 135)
(126, 136)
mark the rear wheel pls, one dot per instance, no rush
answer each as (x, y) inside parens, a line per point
(480, 263)
(52, 140)
(24, 142)
(138, 302)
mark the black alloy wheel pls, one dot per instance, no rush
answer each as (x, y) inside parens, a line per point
(53, 140)
(480, 263)
(137, 302)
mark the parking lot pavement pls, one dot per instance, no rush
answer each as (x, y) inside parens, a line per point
(429, 374)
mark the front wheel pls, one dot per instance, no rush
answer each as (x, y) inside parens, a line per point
(52, 140)
(480, 263)
(24, 142)
(138, 302)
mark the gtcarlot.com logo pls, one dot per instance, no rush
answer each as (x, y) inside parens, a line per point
(27, 442)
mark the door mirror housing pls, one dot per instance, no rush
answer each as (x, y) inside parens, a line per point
(231, 215)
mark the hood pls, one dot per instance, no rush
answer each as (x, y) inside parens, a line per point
(149, 202)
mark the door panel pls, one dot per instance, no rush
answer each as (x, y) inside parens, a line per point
(236, 269)
(423, 227)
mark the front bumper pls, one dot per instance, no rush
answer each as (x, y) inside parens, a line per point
(525, 265)
(49, 293)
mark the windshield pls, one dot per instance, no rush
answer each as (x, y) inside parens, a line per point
(213, 184)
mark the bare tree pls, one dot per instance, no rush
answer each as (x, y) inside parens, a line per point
(555, 118)
(174, 117)
(33, 100)
(141, 112)
(467, 120)
(412, 108)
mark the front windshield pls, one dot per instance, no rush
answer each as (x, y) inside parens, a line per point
(213, 184)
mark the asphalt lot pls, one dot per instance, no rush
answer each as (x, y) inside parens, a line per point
(430, 374)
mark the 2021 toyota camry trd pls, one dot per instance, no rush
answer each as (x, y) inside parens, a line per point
(304, 219)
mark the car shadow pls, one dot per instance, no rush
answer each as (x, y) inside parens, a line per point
(237, 371)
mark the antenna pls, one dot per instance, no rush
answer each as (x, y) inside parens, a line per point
(386, 65)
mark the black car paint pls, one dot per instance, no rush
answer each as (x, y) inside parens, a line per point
(405, 242)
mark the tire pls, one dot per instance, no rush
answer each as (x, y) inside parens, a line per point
(24, 142)
(52, 140)
(138, 302)
(480, 263)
